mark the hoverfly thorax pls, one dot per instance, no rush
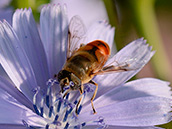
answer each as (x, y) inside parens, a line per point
(67, 78)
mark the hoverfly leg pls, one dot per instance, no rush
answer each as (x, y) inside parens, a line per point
(81, 90)
(81, 45)
(66, 93)
(94, 95)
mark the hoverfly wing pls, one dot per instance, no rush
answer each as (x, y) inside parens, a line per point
(126, 64)
(76, 34)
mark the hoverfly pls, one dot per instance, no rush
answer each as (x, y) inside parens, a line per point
(85, 61)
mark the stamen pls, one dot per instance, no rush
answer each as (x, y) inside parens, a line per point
(66, 88)
(56, 118)
(47, 101)
(25, 123)
(77, 127)
(36, 109)
(36, 90)
(61, 112)
(48, 93)
(58, 123)
(50, 83)
(50, 111)
(83, 124)
(71, 83)
(67, 96)
(34, 101)
(59, 106)
(75, 102)
(42, 111)
(47, 126)
(79, 109)
(70, 110)
(42, 108)
(101, 122)
(65, 117)
(66, 126)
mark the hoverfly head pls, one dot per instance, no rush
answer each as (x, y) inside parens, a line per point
(63, 78)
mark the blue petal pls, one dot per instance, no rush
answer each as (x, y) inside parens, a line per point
(15, 62)
(12, 112)
(11, 126)
(10, 89)
(143, 111)
(103, 31)
(54, 34)
(27, 32)
(137, 53)
(135, 89)
(121, 127)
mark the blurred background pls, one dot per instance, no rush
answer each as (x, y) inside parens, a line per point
(132, 19)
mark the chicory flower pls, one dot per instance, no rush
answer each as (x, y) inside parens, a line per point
(32, 98)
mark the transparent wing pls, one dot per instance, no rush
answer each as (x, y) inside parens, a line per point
(121, 65)
(76, 36)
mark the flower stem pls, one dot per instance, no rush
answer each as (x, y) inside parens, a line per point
(148, 27)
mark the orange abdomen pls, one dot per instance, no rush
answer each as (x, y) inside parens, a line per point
(99, 49)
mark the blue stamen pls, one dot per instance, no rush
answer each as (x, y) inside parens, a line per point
(101, 120)
(36, 109)
(77, 127)
(66, 88)
(25, 124)
(56, 118)
(62, 110)
(67, 96)
(49, 84)
(79, 109)
(70, 110)
(75, 102)
(50, 111)
(66, 126)
(59, 105)
(42, 111)
(56, 122)
(83, 124)
(47, 126)
(65, 117)
(47, 101)
(36, 90)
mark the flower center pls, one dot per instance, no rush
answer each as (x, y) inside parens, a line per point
(56, 109)
(59, 111)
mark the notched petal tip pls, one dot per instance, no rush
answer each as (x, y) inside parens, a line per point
(56, 8)
(23, 10)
